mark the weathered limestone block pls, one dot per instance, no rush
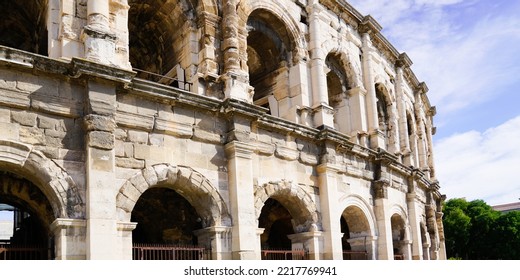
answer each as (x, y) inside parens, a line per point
(101, 139)
(130, 163)
(32, 135)
(138, 137)
(286, 153)
(24, 118)
(101, 123)
(133, 120)
(10, 131)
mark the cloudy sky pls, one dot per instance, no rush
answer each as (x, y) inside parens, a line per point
(468, 53)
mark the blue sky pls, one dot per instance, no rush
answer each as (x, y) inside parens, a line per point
(468, 53)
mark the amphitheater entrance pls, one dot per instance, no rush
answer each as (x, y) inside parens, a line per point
(166, 222)
(277, 223)
(25, 216)
(356, 239)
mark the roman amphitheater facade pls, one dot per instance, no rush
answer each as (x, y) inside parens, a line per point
(238, 126)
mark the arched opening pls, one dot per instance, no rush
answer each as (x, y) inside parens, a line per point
(337, 87)
(159, 39)
(383, 110)
(166, 223)
(23, 25)
(398, 236)
(268, 59)
(356, 232)
(25, 216)
(277, 223)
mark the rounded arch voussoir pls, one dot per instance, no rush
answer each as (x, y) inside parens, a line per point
(294, 198)
(187, 182)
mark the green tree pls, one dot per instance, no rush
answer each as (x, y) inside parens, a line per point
(474, 230)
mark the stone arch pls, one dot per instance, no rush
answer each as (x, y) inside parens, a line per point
(57, 186)
(273, 45)
(363, 206)
(160, 38)
(296, 35)
(350, 60)
(23, 25)
(190, 184)
(296, 200)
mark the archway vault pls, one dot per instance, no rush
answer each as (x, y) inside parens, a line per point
(295, 199)
(187, 182)
(362, 207)
(57, 186)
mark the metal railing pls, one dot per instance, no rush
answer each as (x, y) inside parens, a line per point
(279, 254)
(355, 255)
(23, 252)
(169, 252)
(174, 82)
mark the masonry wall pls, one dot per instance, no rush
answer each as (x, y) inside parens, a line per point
(93, 135)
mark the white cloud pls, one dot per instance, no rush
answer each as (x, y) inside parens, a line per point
(481, 165)
(465, 60)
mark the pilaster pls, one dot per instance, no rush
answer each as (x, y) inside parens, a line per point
(98, 39)
(383, 218)
(328, 185)
(124, 234)
(100, 170)
(69, 238)
(415, 226)
(311, 242)
(240, 178)
(218, 239)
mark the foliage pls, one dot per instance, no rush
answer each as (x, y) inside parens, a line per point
(475, 231)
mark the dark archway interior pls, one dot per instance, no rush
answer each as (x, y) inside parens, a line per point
(346, 235)
(398, 232)
(23, 25)
(276, 220)
(165, 217)
(337, 83)
(382, 108)
(268, 51)
(157, 35)
(30, 216)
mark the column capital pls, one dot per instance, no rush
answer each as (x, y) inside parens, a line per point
(239, 149)
(63, 223)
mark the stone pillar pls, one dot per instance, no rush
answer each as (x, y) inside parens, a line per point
(236, 83)
(258, 247)
(208, 66)
(100, 171)
(415, 226)
(404, 140)
(311, 242)
(98, 39)
(358, 115)
(442, 240)
(328, 186)
(240, 172)
(429, 146)
(406, 244)
(383, 220)
(323, 113)
(69, 238)
(377, 138)
(218, 239)
(124, 234)
(119, 15)
(433, 230)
